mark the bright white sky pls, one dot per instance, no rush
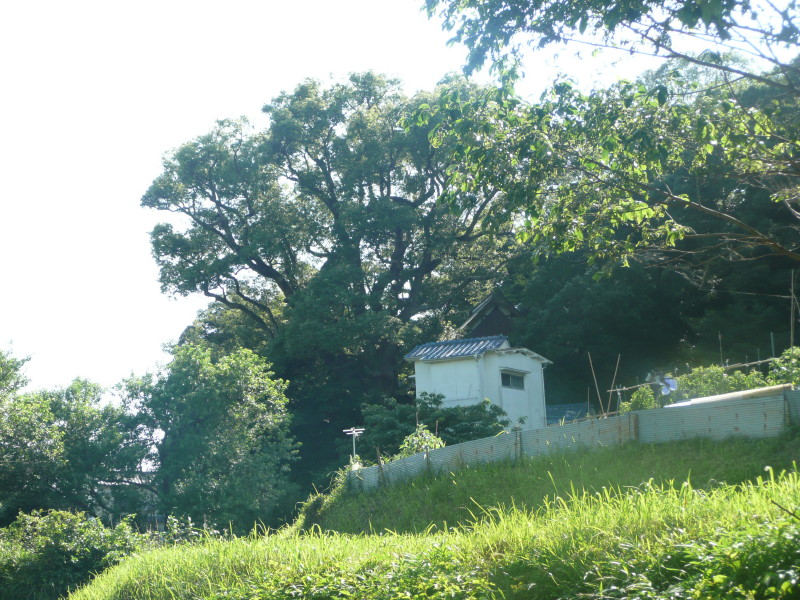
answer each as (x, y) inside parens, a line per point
(93, 93)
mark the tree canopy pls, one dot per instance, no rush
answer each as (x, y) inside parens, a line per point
(616, 171)
(326, 231)
(498, 30)
(333, 196)
(218, 430)
(66, 449)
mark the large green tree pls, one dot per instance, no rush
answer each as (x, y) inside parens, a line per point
(325, 231)
(219, 433)
(103, 451)
(332, 196)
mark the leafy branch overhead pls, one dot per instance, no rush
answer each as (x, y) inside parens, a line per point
(499, 31)
(618, 171)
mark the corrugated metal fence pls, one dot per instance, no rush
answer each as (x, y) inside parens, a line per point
(753, 414)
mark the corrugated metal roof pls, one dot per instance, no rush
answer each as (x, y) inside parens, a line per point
(457, 348)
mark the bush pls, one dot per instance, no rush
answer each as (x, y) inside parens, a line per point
(713, 380)
(642, 399)
(785, 368)
(44, 555)
(421, 440)
(710, 381)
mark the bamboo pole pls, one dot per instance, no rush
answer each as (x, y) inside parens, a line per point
(791, 311)
(596, 387)
(613, 381)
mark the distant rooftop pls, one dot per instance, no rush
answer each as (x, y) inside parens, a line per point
(494, 304)
(457, 348)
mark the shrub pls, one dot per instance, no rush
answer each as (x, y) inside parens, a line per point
(421, 440)
(642, 399)
(713, 380)
(182, 530)
(710, 381)
(785, 368)
(43, 555)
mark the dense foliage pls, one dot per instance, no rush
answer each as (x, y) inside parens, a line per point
(43, 555)
(713, 380)
(629, 169)
(617, 171)
(12, 378)
(67, 449)
(647, 318)
(389, 423)
(207, 438)
(219, 434)
(326, 233)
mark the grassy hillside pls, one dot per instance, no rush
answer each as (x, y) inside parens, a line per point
(545, 529)
(457, 498)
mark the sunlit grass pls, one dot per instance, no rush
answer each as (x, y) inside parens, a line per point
(573, 545)
(573, 536)
(451, 498)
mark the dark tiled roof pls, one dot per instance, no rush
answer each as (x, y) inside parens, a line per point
(457, 348)
(495, 300)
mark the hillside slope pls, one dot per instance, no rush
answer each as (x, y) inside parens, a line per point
(652, 540)
(457, 498)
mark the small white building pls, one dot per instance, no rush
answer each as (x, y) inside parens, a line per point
(468, 371)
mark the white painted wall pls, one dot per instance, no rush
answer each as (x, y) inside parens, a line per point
(467, 381)
(458, 380)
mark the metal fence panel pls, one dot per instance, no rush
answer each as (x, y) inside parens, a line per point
(449, 457)
(594, 432)
(364, 479)
(536, 442)
(497, 448)
(404, 468)
(757, 417)
(752, 417)
(793, 406)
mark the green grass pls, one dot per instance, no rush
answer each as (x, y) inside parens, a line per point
(570, 537)
(454, 498)
(651, 541)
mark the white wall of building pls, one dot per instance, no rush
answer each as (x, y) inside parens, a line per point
(527, 404)
(467, 381)
(458, 380)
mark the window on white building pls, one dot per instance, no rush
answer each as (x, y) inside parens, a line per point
(514, 381)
